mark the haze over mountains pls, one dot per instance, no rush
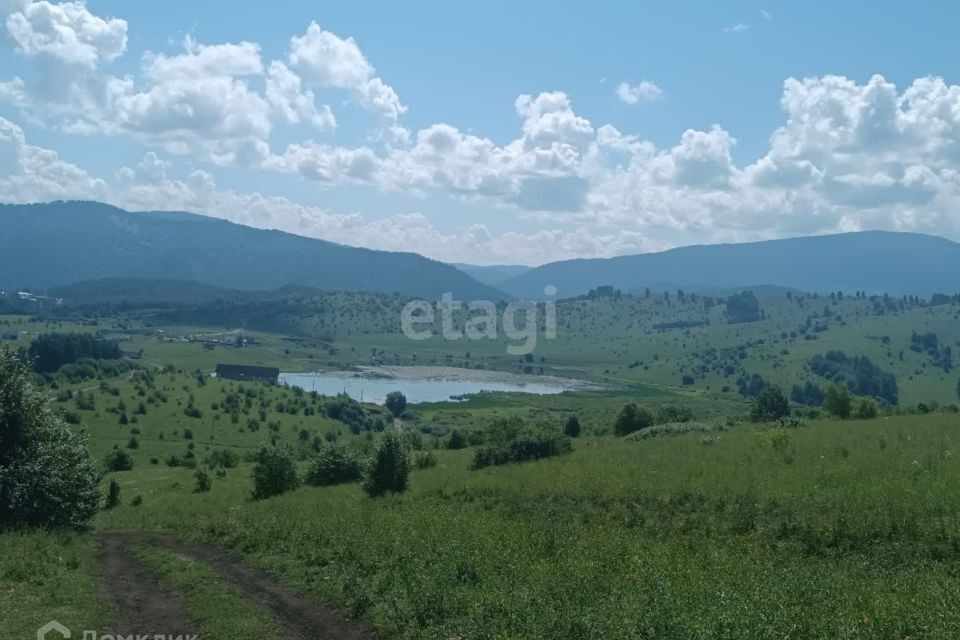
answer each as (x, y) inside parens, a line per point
(55, 245)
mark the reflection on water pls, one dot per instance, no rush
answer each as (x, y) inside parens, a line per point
(427, 389)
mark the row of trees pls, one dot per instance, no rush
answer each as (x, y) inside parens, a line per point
(51, 351)
(386, 471)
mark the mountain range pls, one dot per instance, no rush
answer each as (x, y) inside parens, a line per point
(871, 261)
(50, 246)
(60, 243)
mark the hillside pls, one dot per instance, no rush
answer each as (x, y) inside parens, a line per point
(60, 243)
(492, 274)
(871, 261)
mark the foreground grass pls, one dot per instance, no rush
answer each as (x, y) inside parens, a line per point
(48, 576)
(838, 530)
(219, 610)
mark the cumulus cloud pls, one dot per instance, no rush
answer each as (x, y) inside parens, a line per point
(646, 91)
(737, 28)
(324, 59)
(66, 32)
(29, 173)
(848, 155)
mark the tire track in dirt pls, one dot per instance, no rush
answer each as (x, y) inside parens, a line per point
(303, 618)
(142, 604)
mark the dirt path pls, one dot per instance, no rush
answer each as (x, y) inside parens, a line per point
(142, 605)
(304, 619)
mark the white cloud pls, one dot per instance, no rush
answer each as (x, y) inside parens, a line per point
(291, 103)
(66, 32)
(29, 173)
(646, 91)
(848, 154)
(737, 28)
(324, 60)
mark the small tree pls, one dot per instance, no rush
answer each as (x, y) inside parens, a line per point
(456, 440)
(113, 494)
(572, 427)
(838, 402)
(771, 404)
(118, 460)
(632, 418)
(204, 482)
(275, 472)
(397, 403)
(389, 468)
(334, 464)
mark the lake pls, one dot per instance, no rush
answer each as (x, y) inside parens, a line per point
(425, 384)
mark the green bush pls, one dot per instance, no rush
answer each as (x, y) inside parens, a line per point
(275, 472)
(425, 460)
(572, 427)
(203, 481)
(519, 443)
(334, 464)
(631, 419)
(677, 428)
(771, 404)
(118, 460)
(389, 467)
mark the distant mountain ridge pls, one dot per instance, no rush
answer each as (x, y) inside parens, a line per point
(871, 261)
(492, 274)
(61, 243)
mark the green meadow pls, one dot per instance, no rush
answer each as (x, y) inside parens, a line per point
(811, 527)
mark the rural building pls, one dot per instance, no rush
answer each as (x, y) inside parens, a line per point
(248, 373)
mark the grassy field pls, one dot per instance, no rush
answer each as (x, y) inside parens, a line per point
(754, 533)
(832, 529)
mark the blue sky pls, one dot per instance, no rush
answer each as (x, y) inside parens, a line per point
(405, 126)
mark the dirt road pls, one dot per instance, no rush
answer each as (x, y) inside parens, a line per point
(142, 604)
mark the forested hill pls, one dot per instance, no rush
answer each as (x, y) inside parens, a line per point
(60, 243)
(871, 261)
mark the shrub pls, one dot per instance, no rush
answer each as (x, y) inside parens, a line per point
(222, 458)
(425, 460)
(771, 404)
(137, 500)
(456, 440)
(334, 464)
(632, 418)
(572, 427)
(865, 409)
(275, 472)
(677, 428)
(672, 413)
(46, 474)
(118, 460)
(389, 467)
(133, 443)
(838, 402)
(203, 481)
(523, 445)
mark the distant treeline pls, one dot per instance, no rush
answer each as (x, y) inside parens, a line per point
(51, 351)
